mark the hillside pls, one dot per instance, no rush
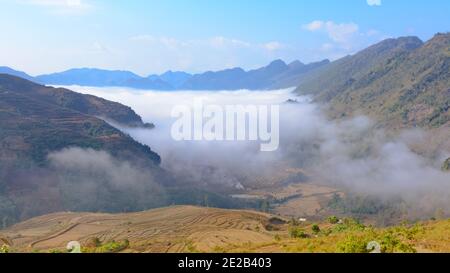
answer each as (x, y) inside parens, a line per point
(195, 229)
(34, 126)
(12, 72)
(31, 129)
(86, 104)
(402, 83)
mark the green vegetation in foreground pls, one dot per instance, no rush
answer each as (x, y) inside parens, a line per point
(4, 249)
(350, 236)
(96, 246)
(344, 236)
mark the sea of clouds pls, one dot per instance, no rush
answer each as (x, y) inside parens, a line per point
(349, 154)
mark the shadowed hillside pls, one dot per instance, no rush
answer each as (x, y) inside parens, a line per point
(39, 172)
(86, 104)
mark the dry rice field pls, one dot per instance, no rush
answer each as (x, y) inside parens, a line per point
(173, 229)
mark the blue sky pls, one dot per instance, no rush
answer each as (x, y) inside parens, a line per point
(152, 36)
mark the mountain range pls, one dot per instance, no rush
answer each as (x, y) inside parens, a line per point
(12, 72)
(277, 74)
(401, 83)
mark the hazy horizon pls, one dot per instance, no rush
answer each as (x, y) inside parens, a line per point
(119, 36)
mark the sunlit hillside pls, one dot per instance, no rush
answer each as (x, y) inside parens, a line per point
(196, 229)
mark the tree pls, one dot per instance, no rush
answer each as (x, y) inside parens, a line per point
(4, 249)
(333, 220)
(296, 232)
(315, 229)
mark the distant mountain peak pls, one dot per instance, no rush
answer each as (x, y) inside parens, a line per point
(296, 64)
(170, 72)
(276, 66)
(236, 69)
(12, 72)
(440, 39)
(402, 43)
(277, 63)
(442, 35)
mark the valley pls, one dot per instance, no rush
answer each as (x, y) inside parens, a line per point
(363, 156)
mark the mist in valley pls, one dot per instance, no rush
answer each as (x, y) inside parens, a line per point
(349, 154)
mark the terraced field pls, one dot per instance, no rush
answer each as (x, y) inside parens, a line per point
(196, 229)
(173, 229)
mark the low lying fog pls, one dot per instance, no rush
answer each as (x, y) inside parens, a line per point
(348, 154)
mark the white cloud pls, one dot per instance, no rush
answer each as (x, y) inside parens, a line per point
(374, 2)
(273, 46)
(61, 6)
(314, 25)
(217, 42)
(389, 169)
(211, 53)
(98, 47)
(338, 32)
(342, 38)
(341, 33)
(221, 42)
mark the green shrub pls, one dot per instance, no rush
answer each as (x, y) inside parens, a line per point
(349, 224)
(191, 248)
(353, 244)
(393, 240)
(446, 165)
(110, 247)
(296, 232)
(333, 220)
(4, 249)
(93, 242)
(315, 229)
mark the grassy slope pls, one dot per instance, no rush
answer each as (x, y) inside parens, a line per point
(432, 236)
(195, 229)
(401, 83)
(86, 104)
